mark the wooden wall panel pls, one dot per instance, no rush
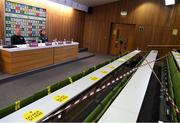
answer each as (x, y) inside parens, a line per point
(158, 20)
(1, 19)
(62, 23)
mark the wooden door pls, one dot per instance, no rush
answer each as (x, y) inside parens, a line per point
(122, 38)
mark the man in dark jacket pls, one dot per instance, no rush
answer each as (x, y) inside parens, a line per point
(17, 38)
(42, 38)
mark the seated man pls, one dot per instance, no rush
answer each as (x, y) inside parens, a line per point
(17, 38)
(43, 38)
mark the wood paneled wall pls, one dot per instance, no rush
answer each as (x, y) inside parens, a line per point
(158, 20)
(1, 19)
(62, 22)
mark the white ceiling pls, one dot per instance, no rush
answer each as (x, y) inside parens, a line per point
(92, 3)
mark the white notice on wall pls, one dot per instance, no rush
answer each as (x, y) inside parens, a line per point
(175, 32)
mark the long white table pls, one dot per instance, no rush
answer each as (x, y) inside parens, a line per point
(24, 58)
(24, 47)
(46, 105)
(176, 56)
(127, 105)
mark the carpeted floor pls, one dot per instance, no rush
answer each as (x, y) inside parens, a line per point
(23, 87)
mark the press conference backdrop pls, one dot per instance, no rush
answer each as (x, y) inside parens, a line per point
(29, 18)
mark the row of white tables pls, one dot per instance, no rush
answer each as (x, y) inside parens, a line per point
(176, 56)
(43, 107)
(127, 105)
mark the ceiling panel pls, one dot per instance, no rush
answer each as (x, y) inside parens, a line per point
(92, 3)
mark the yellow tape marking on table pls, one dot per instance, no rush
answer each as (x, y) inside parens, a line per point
(121, 60)
(111, 67)
(93, 78)
(33, 115)
(104, 72)
(61, 98)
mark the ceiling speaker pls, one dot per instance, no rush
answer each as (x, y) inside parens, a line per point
(90, 10)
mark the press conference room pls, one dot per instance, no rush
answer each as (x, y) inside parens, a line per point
(104, 61)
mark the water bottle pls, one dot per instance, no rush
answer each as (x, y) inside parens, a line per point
(1, 42)
(27, 43)
(55, 40)
(40, 41)
(37, 39)
(8, 43)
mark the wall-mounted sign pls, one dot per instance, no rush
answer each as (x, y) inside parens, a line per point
(169, 2)
(141, 28)
(174, 32)
(29, 18)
